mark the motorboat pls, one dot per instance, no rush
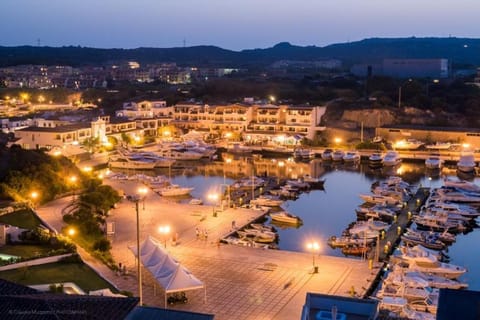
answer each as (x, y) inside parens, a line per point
(445, 236)
(262, 236)
(351, 156)
(374, 198)
(238, 148)
(375, 211)
(304, 153)
(453, 195)
(415, 254)
(262, 227)
(391, 159)
(437, 223)
(327, 154)
(433, 162)
(375, 160)
(439, 146)
(299, 184)
(174, 190)
(415, 238)
(313, 182)
(355, 250)
(285, 217)
(466, 163)
(344, 241)
(249, 183)
(461, 184)
(442, 269)
(196, 201)
(453, 208)
(408, 144)
(412, 290)
(436, 281)
(266, 200)
(337, 155)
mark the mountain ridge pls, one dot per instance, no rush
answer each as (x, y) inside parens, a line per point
(462, 51)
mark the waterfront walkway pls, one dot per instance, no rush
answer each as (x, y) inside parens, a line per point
(241, 282)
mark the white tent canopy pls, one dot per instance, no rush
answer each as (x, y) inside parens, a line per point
(169, 273)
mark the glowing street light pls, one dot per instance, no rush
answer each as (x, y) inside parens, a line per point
(337, 140)
(73, 181)
(213, 197)
(34, 196)
(71, 231)
(164, 231)
(142, 191)
(314, 247)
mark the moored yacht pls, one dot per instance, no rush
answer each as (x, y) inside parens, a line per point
(375, 160)
(337, 155)
(466, 164)
(409, 144)
(351, 156)
(327, 154)
(433, 162)
(391, 159)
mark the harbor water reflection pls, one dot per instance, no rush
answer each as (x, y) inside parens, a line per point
(326, 212)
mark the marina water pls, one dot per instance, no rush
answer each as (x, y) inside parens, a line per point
(328, 212)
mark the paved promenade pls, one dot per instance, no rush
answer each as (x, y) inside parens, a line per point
(241, 282)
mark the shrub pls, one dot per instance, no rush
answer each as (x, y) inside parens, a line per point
(102, 245)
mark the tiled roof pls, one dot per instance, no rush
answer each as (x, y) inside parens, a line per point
(19, 302)
(11, 288)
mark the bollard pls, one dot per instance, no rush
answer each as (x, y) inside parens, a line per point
(409, 215)
(370, 264)
(385, 249)
(352, 291)
(383, 234)
(395, 219)
(399, 230)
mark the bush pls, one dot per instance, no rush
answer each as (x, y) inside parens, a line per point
(74, 258)
(102, 245)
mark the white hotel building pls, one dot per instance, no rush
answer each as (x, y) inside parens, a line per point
(266, 123)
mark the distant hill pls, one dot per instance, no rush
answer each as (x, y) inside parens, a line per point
(461, 51)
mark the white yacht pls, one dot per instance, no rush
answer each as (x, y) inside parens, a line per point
(337, 155)
(304, 153)
(433, 162)
(439, 146)
(375, 160)
(466, 164)
(442, 269)
(409, 144)
(285, 217)
(351, 156)
(391, 159)
(327, 154)
(267, 201)
(174, 190)
(461, 184)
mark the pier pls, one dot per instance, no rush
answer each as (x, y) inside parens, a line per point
(391, 238)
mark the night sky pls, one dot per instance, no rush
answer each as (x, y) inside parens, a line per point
(230, 24)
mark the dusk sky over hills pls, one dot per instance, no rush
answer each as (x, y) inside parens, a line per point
(230, 24)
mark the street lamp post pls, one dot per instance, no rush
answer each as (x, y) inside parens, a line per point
(136, 199)
(142, 191)
(164, 231)
(139, 269)
(34, 197)
(314, 247)
(213, 197)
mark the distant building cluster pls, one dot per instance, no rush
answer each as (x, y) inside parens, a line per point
(46, 77)
(254, 123)
(405, 68)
